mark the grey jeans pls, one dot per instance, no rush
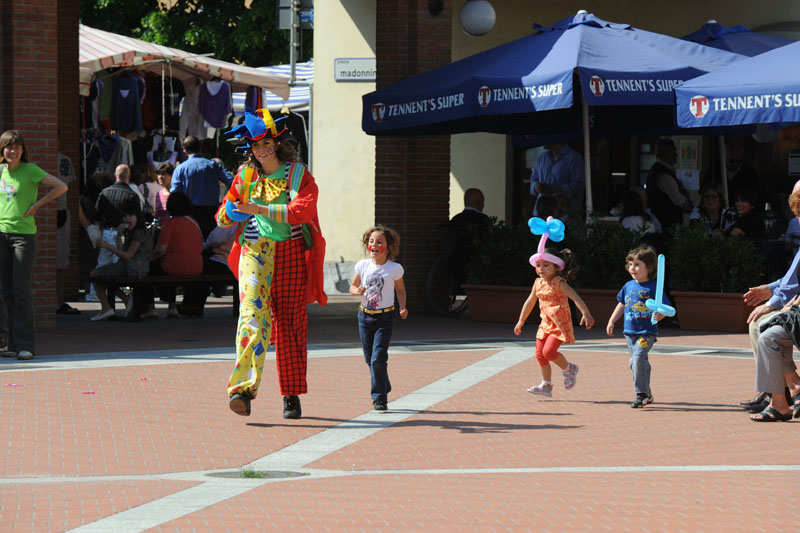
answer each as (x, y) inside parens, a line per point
(17, 255)
(774, 360)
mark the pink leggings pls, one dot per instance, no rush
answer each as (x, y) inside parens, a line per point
(547, 350)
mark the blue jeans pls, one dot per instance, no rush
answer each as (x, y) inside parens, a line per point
(376, 332)
(640, 365)
(17, 255)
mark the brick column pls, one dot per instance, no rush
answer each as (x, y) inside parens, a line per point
(69, 124)
(33, 67)
(412, 174)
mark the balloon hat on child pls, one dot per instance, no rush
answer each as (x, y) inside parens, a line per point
(656, 306)
(551, 228)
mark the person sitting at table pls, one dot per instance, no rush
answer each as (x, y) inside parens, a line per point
(749, 221)
(634, 217)
(179, 252)
(711, 212)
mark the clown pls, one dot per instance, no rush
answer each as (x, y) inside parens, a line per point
(277, 258)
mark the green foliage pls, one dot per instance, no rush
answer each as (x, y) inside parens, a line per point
(225, 28)
(504, 250)
(701, 262)
(599, 250)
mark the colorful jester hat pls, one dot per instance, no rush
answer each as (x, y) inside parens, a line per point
(552, 228)
(257, 125)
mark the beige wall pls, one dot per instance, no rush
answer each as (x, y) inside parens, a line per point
(515, 19)
(343, 156)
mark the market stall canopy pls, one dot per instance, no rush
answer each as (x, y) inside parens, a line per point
(526, 86)
(99, 50)
(299, 94)
(738, 39)
(764, 89)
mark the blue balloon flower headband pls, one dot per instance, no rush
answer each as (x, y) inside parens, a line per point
(552, 228)
(258, 125)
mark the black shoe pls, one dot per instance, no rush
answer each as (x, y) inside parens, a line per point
(291, 407)
(642, 399)
(758, 399)
(240, 404)
(190, 310)
(66, 309)
(757, 408)
(379, 405)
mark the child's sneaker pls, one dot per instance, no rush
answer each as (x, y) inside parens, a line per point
(542, 389)
(570, 376)
(642, 399)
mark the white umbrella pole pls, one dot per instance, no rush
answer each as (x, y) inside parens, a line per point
(587, 163)
(724, 171)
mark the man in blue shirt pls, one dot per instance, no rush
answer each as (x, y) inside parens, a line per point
(774, 296)
(558, 170)
(198, 177)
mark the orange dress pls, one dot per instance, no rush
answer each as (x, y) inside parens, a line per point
(554, 307)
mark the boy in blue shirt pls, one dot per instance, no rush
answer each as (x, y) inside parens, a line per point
(639, 332)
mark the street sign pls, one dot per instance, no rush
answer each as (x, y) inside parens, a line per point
(305, 14)
(355, 69)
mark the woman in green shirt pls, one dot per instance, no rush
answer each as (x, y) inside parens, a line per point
(19, 190)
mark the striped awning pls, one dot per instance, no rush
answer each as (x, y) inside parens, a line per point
(100, 50)
(299, 95)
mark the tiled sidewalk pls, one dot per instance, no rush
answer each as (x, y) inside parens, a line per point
(137, 440)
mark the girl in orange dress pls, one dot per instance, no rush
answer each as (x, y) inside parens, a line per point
(552, 292)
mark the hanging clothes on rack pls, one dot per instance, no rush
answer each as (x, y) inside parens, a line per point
(90, 105)
(216, 103)
(126, 114)
(253, 98)
(163, 149)
(296, 124)
(113, 150)
(191, 121)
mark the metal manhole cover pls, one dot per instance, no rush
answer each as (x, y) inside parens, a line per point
(255, 474)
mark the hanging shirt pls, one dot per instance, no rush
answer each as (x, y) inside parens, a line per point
(66, 174)
(215, 103)
(126, 113)
(191, 121)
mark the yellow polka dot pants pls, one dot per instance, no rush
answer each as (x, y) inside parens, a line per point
(256, 266)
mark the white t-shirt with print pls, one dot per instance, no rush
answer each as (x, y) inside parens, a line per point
(379, 281)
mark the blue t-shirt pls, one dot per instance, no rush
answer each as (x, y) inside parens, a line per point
(637, 316)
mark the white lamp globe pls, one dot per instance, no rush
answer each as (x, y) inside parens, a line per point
(477, 17)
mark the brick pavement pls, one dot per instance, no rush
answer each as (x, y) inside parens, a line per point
(468, 447)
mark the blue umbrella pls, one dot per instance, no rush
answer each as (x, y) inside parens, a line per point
(737, 39)
(526, 86)
(761, 89)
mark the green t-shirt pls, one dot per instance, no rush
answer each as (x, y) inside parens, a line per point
(19, 189)
(271, 229)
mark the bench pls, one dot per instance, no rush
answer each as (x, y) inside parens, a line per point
(137, 284)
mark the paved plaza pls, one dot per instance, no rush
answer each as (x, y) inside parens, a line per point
(125, 427)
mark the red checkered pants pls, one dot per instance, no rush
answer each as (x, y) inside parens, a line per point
(289, 317)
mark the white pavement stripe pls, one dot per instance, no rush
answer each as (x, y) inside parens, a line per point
(313, 473)
(321, 444)
(308, 450)
(171, 507)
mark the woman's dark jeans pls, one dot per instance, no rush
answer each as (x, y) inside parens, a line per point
(17, 323)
